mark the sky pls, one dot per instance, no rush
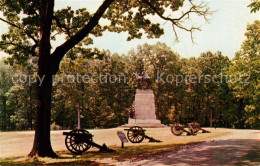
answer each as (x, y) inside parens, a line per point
(224, 33)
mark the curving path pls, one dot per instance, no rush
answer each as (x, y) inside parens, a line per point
(240, 147)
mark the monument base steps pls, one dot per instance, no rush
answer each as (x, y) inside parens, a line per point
(145, 125)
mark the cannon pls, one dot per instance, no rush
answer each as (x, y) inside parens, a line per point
(178, 129)
(79, 140)
(193, 128)
(137, 134)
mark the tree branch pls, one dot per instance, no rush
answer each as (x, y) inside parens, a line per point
(123, 10)
(61, 26)
(32, 50)
(156, 11)
(60, 51)
(177, 21)
(14, 44)
(18, 27)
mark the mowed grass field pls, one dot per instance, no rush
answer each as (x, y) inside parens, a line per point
(14, 146)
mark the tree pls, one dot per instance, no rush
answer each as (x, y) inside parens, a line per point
(22, 99)
(31, 35)
(245, 74)
(214, 91)
(102, 98)
(5, 85)
(203, 95)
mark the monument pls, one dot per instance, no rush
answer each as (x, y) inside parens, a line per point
(142, 112)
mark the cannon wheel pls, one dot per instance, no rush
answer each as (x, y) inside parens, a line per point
(194, 127)
(77, 145)
(194, 130)
(177, 129)
(135, 134)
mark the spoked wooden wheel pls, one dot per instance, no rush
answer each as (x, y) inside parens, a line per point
(177, 129)
(193, 127)
(193, 130)
(76, 141)
(135, 134)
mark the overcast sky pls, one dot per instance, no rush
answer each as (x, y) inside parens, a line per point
(225, 32)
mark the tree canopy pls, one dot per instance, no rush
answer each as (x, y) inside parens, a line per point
(80, 26)
(246, 68)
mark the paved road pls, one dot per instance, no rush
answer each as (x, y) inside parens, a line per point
(240, 147)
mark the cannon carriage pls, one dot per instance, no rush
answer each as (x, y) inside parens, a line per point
(193, 128)
(79, 140)
(137, 134)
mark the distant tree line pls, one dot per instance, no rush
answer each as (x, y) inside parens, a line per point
(211, 89)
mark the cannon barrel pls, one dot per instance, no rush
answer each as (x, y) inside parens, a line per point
(77, 134)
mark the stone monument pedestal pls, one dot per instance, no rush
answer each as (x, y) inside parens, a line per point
(144, 106)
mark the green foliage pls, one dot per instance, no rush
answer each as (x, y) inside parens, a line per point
(246, 65)
(255, 6)
(104, 104)
(21, 99)
(100, 102)
(183, 100)
(6, 110)
(133, 16)
(23, 37)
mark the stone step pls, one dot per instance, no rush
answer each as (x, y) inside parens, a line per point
(143, 121)
(143, 103)
(146, 117)
(144, 109)
(145, 125)
(141, 91)
(144, 96)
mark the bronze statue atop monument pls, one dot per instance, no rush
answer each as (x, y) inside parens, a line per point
(143, 80)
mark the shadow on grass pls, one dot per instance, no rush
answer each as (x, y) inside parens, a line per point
(66, 158)
(70, 160)
(253, 156)
(40, 163)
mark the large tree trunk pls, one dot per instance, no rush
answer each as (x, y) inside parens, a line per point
(42, 144)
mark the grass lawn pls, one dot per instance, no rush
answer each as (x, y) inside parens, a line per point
(130, 151)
